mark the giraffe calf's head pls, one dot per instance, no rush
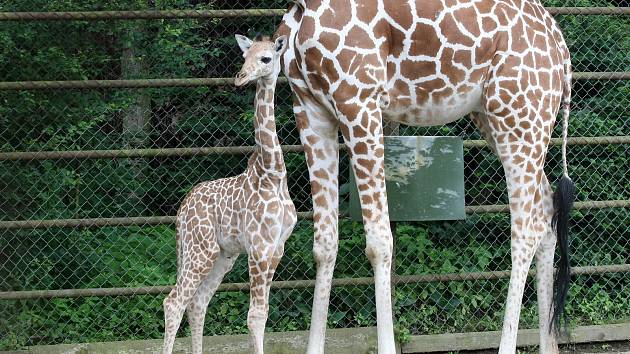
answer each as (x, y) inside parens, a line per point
(262, 58)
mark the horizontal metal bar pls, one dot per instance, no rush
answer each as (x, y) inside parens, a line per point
(210, 14)
(504, 208)
(306, 215)
(137, 14)
(204, 82)
(615, 75)
(589, 10)
(93, 84)
(89, 222)
(239, 150)
(133, 153)
(573, 141)
(297, 284)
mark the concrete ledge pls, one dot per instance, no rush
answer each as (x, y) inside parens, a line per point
(338, 341)
(526, 337)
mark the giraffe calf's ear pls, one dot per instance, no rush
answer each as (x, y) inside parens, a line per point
(281, 44)
(243, 42)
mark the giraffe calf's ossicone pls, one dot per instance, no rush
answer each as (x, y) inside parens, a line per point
(250, 213)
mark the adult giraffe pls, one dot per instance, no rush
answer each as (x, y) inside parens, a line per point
(430, 62)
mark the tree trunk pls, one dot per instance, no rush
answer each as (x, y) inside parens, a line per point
(135, 119)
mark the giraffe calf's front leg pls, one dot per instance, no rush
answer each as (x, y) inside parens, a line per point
(256, 322)
(260, 266)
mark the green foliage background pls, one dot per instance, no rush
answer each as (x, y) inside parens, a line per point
(221, 116)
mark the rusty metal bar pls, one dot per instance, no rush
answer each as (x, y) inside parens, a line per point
(616, 75)
(306, 215)
(297, 284)
(94, 84)
(204, 82)
(137, 14)
(101, 222)
(589, 10)
(210, 14)
(134, 153)
(239, 150)
(504, 208)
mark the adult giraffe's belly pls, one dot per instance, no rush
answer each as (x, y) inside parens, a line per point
(426, 107)
(436, 72)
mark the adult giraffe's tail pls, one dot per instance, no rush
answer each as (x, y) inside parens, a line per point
(563, 203)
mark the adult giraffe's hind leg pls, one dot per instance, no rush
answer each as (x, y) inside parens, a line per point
(543, 211)
(523, 178)
(544, 273)
(318, 133)
(199, 304)
(523, 161)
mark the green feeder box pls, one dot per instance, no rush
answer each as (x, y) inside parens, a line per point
(424, 176)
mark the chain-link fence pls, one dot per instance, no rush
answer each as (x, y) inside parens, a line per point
(136, 109)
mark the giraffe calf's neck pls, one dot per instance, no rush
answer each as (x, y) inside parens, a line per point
(268, 153)
(250, 213)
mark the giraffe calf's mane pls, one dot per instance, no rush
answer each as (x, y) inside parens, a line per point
(261, 38)
(250, 213)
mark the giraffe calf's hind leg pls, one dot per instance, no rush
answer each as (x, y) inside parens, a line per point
(199, 304)
(189, 279)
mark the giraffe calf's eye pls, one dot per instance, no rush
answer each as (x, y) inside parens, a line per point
(265, 60)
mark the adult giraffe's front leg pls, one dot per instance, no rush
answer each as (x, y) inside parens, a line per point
(362, 129)
(318, 132)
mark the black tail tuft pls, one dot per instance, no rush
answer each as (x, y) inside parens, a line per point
(562, 203)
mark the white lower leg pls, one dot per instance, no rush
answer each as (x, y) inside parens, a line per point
(522, 255)
(544, 272)
(544, 278)
(173, 312)
(325, 260)
(256, 321)
(379, 251)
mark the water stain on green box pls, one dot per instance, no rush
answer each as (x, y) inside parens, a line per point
(424, 178)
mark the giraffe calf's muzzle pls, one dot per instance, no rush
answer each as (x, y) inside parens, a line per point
(241, 79)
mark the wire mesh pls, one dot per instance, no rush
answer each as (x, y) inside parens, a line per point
(221, 116)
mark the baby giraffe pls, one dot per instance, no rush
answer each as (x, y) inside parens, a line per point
(251, 213)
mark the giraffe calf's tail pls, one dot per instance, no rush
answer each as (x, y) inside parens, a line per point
(563, 203)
